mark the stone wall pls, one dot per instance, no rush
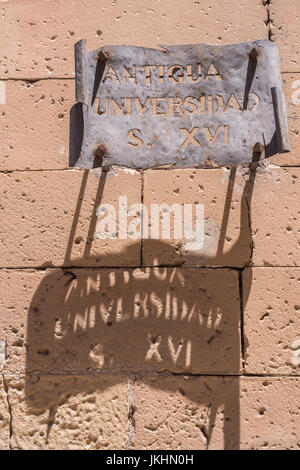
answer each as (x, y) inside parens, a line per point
(140, 344)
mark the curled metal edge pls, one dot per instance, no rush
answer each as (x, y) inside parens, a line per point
(81, 72)
(280, 120)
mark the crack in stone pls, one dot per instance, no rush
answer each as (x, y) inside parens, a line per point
(243, 349)
(251, 175)
(268, 22)
(5, 386)
(248, 197)
(204, 429)
(205, 433)
(131, 411)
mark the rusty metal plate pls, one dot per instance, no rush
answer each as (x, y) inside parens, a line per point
(186, 106)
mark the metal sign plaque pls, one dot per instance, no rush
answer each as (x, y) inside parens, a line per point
(186, 106)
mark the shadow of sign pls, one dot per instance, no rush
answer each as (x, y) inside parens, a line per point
(142, 322)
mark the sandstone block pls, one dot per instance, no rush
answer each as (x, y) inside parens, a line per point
(68, 413)
(222, 195)
(52, 218)
(271, 321)
(275, 217)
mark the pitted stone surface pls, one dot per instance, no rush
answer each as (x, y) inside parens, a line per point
(44, 36)
(271, 320)
(217, 413)
(75, 412)
(4, 417)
